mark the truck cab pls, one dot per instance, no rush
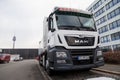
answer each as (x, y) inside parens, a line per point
(70, 41)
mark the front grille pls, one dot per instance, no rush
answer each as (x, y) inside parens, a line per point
(76, 41)
(87, 52)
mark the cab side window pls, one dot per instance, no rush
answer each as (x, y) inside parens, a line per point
(50, 23)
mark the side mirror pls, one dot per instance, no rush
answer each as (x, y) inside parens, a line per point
(52, 30)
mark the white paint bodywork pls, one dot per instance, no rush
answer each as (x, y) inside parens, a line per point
(73, 33)
(51, 38)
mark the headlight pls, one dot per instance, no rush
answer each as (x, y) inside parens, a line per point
(61, 54)
(99, 53)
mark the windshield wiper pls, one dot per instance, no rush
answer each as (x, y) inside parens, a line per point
(87, 28)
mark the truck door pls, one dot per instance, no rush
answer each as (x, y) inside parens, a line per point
(51, 32)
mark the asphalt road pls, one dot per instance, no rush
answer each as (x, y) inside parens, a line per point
(30, 70)
(21, 70)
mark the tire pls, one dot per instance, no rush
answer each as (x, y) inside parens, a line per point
(40, 62)
(48, 70)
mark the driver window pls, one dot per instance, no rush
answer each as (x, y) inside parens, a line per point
(50, 23)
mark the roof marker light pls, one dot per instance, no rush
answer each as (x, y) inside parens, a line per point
(69, 9)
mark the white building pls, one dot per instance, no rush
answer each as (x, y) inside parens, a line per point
(107, 16)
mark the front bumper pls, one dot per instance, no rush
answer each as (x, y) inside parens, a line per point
(77, 67)
(72, 62)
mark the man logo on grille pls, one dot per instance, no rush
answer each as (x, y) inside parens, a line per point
(76, 41)
(81, 41)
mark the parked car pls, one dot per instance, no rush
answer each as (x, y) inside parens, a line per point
(4, 58)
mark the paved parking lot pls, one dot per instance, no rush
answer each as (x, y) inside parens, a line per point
(20, 70)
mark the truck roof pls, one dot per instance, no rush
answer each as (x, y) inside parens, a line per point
(72, 10)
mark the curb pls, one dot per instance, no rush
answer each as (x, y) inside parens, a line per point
(44, 74)
(106, 71)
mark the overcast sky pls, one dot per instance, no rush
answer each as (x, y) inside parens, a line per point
(24, 19)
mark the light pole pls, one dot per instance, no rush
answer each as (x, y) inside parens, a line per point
(14, 39)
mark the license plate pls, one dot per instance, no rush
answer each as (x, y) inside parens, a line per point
(83, 57)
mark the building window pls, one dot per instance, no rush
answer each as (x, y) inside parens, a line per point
(113, 13)
(116, 47)
(114, 24)
(103, 29)
(101, 20)
(107, 6)
(106, 48)
(108, 16)
(99, 12)
(115, 36)
(111, 4)
(97, 4)
(105, 39)
(115, 1)
(118, 22)
(117, 11)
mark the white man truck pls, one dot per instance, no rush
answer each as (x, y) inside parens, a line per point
(70, 41)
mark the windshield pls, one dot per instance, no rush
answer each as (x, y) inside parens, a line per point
(75, 22)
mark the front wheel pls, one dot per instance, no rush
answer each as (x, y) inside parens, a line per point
(48, 70)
